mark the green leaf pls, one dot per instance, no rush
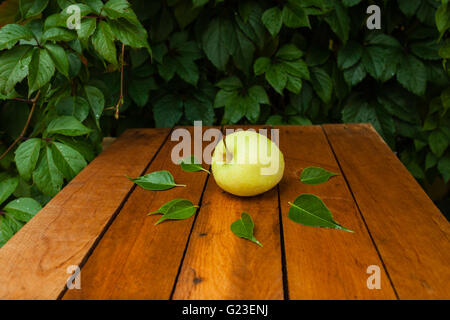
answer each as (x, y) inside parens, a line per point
(428, 50)
(87, 28)
(191, 164)
(157, 181)
(59, 57)
(277, 78)
(259, 94)
(47, 177)
(309, 210)
(129, 33)
(96, 100)
(261, 65)
(12, 33)
(322, 84)
(13, 67)
(41, 69)
(103, 42)
(243, 228)
(8, 227)
(31, 8)
(373, 59)
(289, 52)
(74, 106)
(438, 142)
(139, 90)
(294, 16)
(199, 107)
(116, 8)
(23, 209)
(408, 67)
(176, 209)
(297, 68)
(355, 74)
(272, 19)
(409, 7)
(69, 161)
(444, 168)
(58, 34)
(339, 21)
(231, 83)
(315, 175)
(168, 111)
(68, 126)
(7, 187)
(26, 157)
(349, 54)
(216, 41)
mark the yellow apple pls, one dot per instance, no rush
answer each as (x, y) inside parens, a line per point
(248, 165)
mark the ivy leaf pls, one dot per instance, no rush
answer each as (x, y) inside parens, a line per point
(32, 8)
(23, 209)
(409, 66)
(409, 7)
(96, 100)
(103, 42)
(339, 21)
(438, 142)
(168, 111)
(294, 16)
(177, 209)
(58, 34)
(349, 55)
(7, 187)
(59, 57)
(8, 227)
(444, 168)
(87, 28)
(355, 74)
(47, 177)
(199, 107)
(74, 106)
(272, 19)
(191, 164)
(315, 175)
(243, 228)
(12, 33)
(373, 59)
(216, 41)
(261, 65)
(322, 84)
(309, 210)
(276, 77)
(129, 33)
(67, 126)
(41, 69)
(157, 181)
(115, 8)
(13, 67)
(69, 161)
(26, 157)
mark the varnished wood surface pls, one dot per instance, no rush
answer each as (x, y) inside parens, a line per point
(95, 222)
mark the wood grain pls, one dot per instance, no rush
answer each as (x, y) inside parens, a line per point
(324, 263)
(218, 264)
(136, 259)
(409, 231)
(34, 262)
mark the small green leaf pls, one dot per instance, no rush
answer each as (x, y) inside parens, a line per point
(12, 33)
(444, 168)
(41, 69)
(157, 181)
(96, 100)
(7, 187)
(68, 126)
(58, 34)
(103, 42)
(438, 142)
(272, 19)
(191, 164)
(59, 58)
(69, 161)
(23, 209)
(177, 209)
(243, 228)
(47, 177)
(26, 157)
(315, 175)
(309, 210)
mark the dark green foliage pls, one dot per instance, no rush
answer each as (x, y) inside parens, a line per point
(222, 62)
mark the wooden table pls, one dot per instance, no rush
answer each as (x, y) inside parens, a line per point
(99, 222)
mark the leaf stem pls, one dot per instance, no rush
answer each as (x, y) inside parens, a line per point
(206, 170)
(180, 185)
(120, 102)
(24, 130)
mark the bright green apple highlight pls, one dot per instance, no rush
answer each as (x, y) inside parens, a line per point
(249, 165)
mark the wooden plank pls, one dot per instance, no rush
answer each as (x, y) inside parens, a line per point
(34, 262)
(410, 232)
(136, 259)
(218, 264)
(324, 263)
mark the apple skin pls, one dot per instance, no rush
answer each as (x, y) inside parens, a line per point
(245, 172)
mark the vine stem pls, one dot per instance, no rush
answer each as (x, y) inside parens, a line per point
(24, 130)
(120, 102)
